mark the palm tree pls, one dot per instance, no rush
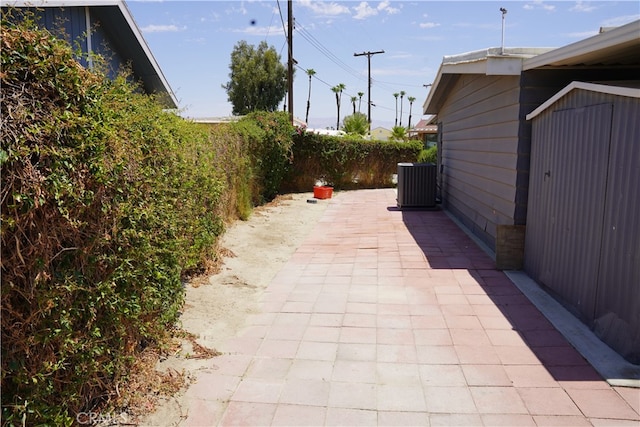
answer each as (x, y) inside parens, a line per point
(411, 99)
(310, 73)
(398, 133)
(356, 124)
(353, 102)
(360, 95)
(337, 89)
(402, 93)
(395, 95)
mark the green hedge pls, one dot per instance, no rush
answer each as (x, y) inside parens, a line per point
(346, 162)
(107, 201)
(269, 143)
(429, 155)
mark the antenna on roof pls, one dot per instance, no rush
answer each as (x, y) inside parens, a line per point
(504, 12)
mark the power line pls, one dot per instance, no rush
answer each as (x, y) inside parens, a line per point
(396, 84)
(305, 34)
(284, 27)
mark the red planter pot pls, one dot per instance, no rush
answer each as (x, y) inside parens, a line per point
(322, 192)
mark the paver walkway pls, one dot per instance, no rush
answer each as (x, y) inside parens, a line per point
(388, 317)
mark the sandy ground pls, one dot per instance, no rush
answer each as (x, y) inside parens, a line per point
(216, 308)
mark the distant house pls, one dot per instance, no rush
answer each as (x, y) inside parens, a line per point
(491, 175)
(106, 28)
(426, 131)
(380, 134)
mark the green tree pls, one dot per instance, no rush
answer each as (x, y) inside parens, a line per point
(353, 102)
(310, 72)
(411, 100)
(398, 133)
(337, 89)
(258, 78)
(402, 94)
(395, 95)
(356, 123)
(360, 95)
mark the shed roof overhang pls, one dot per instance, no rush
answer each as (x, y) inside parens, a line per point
(489, 62)
(118, 22)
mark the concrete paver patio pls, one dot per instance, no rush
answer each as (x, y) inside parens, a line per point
(389, 317)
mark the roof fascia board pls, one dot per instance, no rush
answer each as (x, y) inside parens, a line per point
(500, 65)
(432, 90)
(593, 87)
(471, 67)
(624, 34)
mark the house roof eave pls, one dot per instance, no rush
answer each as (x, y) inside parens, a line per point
(490, 62)
(615, 46)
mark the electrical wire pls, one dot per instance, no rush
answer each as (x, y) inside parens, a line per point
(284, 27)
(305, 34)
(313, 41)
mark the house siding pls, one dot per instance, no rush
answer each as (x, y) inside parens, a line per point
(480, 125)
(70, 23)
(582, 230)
(104, 46)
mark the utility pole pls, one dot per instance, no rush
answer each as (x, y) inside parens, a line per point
(290, 62)
(368, 55)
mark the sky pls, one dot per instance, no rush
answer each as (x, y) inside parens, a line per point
(192, 42)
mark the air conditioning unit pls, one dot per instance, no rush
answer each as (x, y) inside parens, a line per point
(416, 185)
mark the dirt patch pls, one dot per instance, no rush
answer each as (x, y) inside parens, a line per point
(217, 306)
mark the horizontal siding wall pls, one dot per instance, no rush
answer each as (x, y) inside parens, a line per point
(479, 152)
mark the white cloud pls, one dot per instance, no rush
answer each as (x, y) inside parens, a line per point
(429, 25)
(324, 8)
(385, 6)
(161, 29)
(363, 11)
(581, 6)
(539, 4)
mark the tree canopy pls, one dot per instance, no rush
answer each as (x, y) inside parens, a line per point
(258, 80)
(356, 123)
